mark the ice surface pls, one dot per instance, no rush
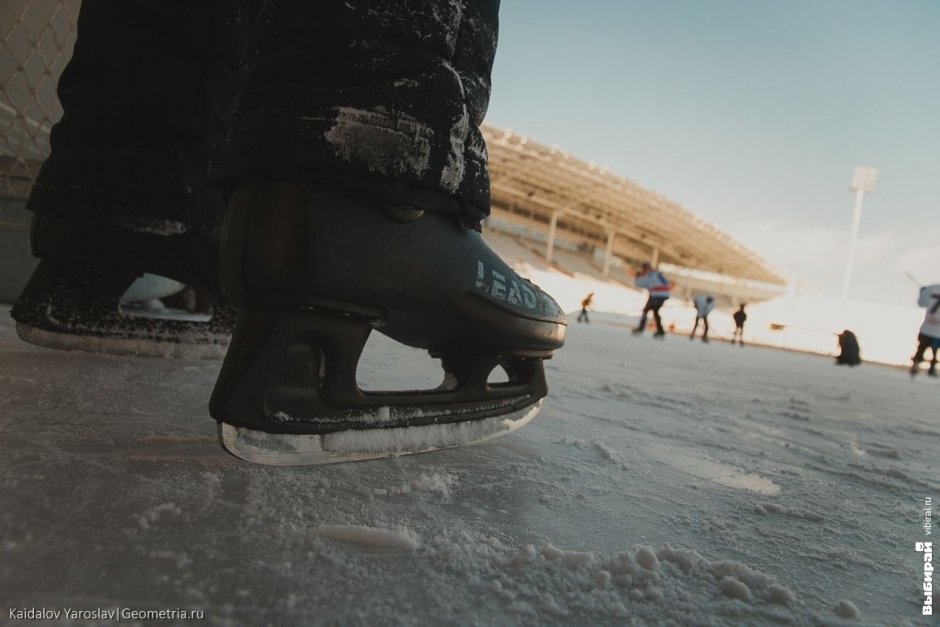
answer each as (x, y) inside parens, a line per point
(663, 482)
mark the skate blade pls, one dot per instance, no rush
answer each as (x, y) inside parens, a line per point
(209, 346)
(279, 449)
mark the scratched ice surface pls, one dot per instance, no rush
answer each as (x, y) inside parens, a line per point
(668, 482)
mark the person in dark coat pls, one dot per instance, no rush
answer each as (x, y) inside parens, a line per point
(739, 318)
(849, 352)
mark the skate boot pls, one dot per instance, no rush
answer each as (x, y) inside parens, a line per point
(312, 272)
(73, 299)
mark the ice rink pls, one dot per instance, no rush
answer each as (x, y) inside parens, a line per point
(665, 482)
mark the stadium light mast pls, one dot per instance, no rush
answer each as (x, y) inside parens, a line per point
(863, 182)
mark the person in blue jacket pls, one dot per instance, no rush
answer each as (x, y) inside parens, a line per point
(659, 291)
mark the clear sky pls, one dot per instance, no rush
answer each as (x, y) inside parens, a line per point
(751, 114)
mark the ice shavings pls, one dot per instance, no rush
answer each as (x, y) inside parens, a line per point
(602, 579)
(453, 171)
(886, 452)
(605, 451)
(779, 595)
(648, 584)
(403, 440)
(699, 465)
(149, 517)
(179, 559)
(734, 589)
(434, 483)
(773, 508)
(569, 558)
(386, 142)
(427, 437)
(429, 483)
(846, 609)
(401, 539)
(646, 558)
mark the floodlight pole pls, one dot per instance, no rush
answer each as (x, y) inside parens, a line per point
(853, 239)
(550, 245)
(609, 253)
(863, 180)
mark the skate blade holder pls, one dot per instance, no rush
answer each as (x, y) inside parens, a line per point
(287, 394)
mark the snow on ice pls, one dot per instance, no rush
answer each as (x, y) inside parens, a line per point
(403, 539)
(664, 482)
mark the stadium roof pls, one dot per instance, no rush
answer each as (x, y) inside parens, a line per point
(538, 181)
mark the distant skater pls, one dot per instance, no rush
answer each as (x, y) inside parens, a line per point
(739, 318)
(929, 336)
(849, 352)
(584, 307)
(703, 306)
(659, 287)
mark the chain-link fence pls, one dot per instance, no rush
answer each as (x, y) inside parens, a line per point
(36, 40)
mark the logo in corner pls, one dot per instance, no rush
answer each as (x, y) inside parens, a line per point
(927, 549)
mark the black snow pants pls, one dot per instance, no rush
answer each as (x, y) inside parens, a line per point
(652, 305)
(168, 103)
(923, 343)
(704, 320)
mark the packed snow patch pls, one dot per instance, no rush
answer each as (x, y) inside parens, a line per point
(572, 559)
(429, 483)
(149, 517)
(732, 588)
(846, 609)
(540, 585)
(402, 539)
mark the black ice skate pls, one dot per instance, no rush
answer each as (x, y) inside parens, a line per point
(73, 299)
(313, 271)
